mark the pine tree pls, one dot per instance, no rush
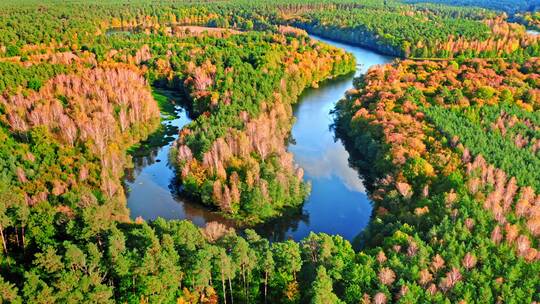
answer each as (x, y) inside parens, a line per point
(322, 289)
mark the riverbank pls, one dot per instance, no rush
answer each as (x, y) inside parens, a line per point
(357, 37)
(338, 203)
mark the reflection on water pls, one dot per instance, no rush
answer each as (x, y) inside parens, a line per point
(151, 183)
(533, 32)
(338, 203)
(332, 161)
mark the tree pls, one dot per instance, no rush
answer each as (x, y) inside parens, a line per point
(246, 260)
(321, 289)
(202, 270)
(8, 292)
(288, 263)
(5, 222)
(387, 276)
(225, 268)
(268, 266)
(10, 200)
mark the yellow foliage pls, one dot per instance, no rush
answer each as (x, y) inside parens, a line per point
(292, 292)
(236, 163)
(115, 22)
(197, 171)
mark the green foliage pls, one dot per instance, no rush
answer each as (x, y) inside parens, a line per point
(322, 289)
(510, 6)
(424, 210)
(406, 32)
(15, 75)
(497, 148)
(78, 247)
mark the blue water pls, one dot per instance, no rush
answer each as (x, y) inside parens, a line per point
(338, 203)
(151, 184)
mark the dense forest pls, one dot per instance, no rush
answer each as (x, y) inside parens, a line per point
(241, 165)
(448, 143)
(531, 20)
(405, 32)
(391, 27)
(452, 141)
(508, 6)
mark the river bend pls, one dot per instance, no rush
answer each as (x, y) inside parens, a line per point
(338, 203)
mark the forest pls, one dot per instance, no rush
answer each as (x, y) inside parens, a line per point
(531, 20)
(446, 139)
(508, 6)
(437, 182)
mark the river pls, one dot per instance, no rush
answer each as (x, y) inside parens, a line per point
(151, 183)
(338, 203)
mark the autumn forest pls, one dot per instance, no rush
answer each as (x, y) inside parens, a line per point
(441, 130)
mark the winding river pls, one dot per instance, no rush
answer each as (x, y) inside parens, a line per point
(338, 203)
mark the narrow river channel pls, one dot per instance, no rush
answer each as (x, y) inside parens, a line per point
(338, 203)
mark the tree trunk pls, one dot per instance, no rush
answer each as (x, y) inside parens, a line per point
(244, 281)
(265, 285)
(230, 290)
(247, 288)
(223, 286)
(23, 242)
(17, 237)
(3, 239)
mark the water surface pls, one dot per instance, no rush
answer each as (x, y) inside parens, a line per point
(151, 184)
(338, 203)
